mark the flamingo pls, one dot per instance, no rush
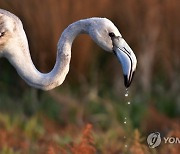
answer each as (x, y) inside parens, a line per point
(14, 47)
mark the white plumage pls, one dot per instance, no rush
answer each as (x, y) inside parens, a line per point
(14, 46)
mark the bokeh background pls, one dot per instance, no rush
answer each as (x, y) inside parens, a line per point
(86, 113)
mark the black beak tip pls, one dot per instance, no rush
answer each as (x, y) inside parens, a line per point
(127, 81)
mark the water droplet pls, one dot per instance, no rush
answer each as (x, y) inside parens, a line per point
(126, 146)
(128, 103)
(126, 94)
(125, 122)
(125, 118)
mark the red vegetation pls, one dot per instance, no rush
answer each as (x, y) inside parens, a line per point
(137, 147)
(151, 27)
(80, 143)
(86, 146)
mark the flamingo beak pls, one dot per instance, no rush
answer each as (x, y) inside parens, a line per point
(126, 57)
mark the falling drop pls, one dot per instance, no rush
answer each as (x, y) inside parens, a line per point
(125, 118)
(126, 94)
(128, 103)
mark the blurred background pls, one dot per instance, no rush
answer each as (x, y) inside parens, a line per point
(34, 121)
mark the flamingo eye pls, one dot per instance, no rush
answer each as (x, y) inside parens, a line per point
(111, 34)
(2, 34)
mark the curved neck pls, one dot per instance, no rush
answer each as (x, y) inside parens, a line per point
(20, 58)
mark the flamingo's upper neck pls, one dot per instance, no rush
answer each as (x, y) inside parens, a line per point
(19, 57)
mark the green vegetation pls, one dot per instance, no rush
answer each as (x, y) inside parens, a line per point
(86, 114)
(33, 117)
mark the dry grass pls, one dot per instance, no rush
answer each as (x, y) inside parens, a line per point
(151, 28)
(137, 147)
(82, 140)
(86, 144)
